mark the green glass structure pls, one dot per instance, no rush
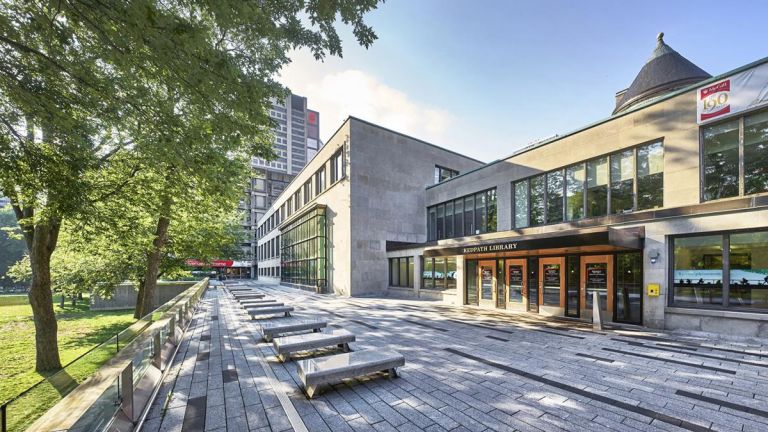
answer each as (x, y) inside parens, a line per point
(304, 250)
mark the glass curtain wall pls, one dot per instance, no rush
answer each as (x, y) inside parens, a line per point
(439, 273)
(304, 252)
(470, 215)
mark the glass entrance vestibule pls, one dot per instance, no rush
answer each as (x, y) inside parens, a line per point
(559, 285)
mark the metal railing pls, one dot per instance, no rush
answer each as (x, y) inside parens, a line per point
(102, 370)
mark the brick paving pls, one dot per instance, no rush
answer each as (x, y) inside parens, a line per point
(466, 370)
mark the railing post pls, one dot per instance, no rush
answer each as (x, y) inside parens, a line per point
(126, 394)
(4, 418)
(157, 359)
(117, 342)
(172, 329)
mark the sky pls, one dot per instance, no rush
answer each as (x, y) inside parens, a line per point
(486, 77)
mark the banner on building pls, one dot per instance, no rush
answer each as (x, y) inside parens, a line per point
(218, 263)
(740, 92)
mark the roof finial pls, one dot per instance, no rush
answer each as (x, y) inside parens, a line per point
(660, 38)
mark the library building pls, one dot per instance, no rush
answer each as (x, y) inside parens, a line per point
(661, 209)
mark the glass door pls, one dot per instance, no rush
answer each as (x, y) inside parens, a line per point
(533, 285)
(516, 274)
(487, 277)
(572, 284)
(552, 292)
(597, 276)
(629, 288)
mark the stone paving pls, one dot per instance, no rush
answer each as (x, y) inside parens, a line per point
(466, 370)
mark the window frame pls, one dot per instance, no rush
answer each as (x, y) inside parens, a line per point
(584, 163)
(487, 194)
(409, 275)
(726, 275)
(338, 170)
(741, 120)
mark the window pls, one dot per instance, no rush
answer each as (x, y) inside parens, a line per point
(555, 196)
(307, 192)
(597, 187)
(337, 166)
(297, 200)
(521, 204)
(537, 203)
(756, 153)
(260, 201)
(438, 273)
(574, 192)
(722, 270)
(401, 272)
(470, 215)
(320, 181)
(442, 174)
(720, 161)
(303, 250)
(260, 185)
(650, 176)
(622, 182)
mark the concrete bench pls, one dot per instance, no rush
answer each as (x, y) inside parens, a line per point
(332, 369)
(286, 345)
(248, 296)
(275, 310)
(249, 302)
(262, 305)
(273, 329)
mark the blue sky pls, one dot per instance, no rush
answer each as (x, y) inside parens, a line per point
(486, 77)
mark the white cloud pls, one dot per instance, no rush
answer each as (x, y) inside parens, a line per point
(339, 94)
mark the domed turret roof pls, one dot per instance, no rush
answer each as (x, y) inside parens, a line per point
(664, 72)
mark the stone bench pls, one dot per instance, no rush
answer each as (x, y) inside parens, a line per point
(275, 310)
(286, 345)
(249, 302)
(248, 296)
(262, 305)
(270, 330)
(332, 369)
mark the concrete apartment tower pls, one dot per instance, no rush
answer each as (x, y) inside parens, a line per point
(297, 141)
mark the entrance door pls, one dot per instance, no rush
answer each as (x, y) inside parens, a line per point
(487, 277)
(629, 288)
(552, 285)
(516, 275)
(597, 276)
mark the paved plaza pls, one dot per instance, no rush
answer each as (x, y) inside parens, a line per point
(466, 370)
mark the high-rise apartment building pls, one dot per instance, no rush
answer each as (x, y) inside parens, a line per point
(296, 141)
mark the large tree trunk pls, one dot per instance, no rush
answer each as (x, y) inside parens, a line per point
(42, 244)
(153, 261)
(139, 300)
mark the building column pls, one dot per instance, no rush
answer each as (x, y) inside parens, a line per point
(460, 281)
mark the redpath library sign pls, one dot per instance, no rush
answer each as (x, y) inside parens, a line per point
(742, 91)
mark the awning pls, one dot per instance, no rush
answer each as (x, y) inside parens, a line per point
(569, 241)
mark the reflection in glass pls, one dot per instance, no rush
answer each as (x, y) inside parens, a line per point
(629, 287)
(481, 217)
(698, 270)
(749, 270)
(650, 176)
(574, 180)
(555, 197)
(756, 153)
(721, 160)
(515, 278)
(521, 204)
(469, 216)
(471, 276)
(572, 283)
(439, 276)
(486, 282)
(440, 216)
(458, 217)
(449, 219)
(537, 200)
(491, 197)
(622, 182)
(450, 272)
(428, 281)
(403, 272)
(597, 187)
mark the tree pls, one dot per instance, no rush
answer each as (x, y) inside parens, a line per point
(82, 82)
(11, 245)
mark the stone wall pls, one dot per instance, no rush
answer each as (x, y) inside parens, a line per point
(124, 296)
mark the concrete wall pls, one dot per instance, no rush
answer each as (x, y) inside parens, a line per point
(389, 172)
(124, 296)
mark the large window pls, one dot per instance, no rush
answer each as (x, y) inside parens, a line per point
(629, 180)
(438, 273)
(307, 191)
(723, 270)
(722, 145)
(337, 166)
(320, 181)
(303, 250)
(401, 272)
(470, 215)
(555, 185)
(442, 174)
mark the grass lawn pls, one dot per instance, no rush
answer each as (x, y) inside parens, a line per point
(80, 329)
